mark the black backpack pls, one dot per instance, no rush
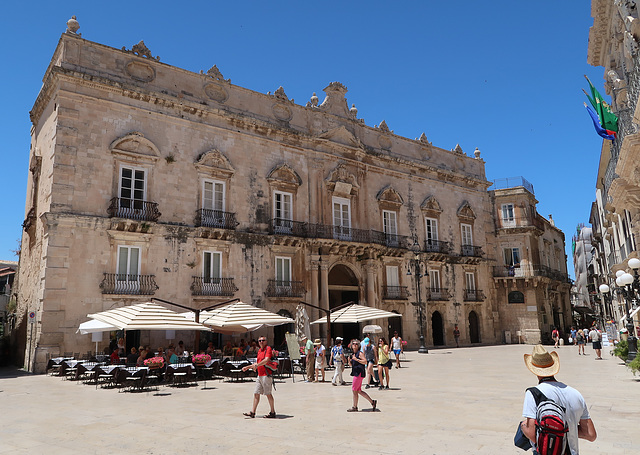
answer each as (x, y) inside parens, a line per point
(551, 425)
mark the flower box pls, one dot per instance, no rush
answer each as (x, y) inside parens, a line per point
(201, 359)
(154, 362)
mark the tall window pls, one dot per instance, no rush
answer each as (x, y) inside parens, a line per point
(213, 195)
(389, 221)
(282, 213)
(393, 281)
(508, 217)
(467, 240)
(133, 187)
(283, 272)
(431, 225)
(212, 267)
(511, 256)
(128, 273)
(470, 291)
(341, 218)
(434, 280)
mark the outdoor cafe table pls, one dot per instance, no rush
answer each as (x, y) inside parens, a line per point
(86, 367)
(57, 361)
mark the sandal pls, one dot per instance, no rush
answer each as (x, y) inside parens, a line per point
(271, 415)
(249, 414)
(352, 409)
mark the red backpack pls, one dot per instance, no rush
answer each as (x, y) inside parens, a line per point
(551, 425)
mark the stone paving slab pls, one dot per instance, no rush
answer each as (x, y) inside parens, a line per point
(450, 401)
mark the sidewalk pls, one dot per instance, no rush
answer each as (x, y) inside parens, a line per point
(450, 401)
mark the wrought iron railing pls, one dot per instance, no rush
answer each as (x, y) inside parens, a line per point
(133, 209)
(511, 182)
(395, 292)
(216, 219)
(116, 283)
(438, 294)
(471, 251)
(281, 226)
(437, 246)
(278, 288)
(520, 222)
(528, 271)
(202, 285)
(473, 295)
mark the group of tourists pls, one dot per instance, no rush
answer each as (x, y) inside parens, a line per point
(580, 337)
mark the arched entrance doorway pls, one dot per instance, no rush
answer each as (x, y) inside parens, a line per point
(343, 288)
(437, 329)
(474, 327)
(279, 340)
(394, 325)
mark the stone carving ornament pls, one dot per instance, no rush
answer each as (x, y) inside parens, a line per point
(214, 73)
(341, 181)
(141, 50)
(73, 26)
(214, 161)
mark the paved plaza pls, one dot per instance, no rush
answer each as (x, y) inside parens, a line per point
(450, 401)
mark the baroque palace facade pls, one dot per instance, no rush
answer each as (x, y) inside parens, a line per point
(149, 180)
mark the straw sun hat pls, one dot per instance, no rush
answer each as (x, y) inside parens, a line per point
(542, 363)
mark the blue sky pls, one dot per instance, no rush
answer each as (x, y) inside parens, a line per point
(502, 76)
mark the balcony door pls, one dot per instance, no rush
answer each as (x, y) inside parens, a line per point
(393, 282)
(341, 218)
(212, 273)
(282, 214)
(467, 239)
(431, 226)
(434, 284)
(390, 225)
(283, 275)
(470, 281)
(132, 192)
(128, 272)
(213, 203)
(508, 218)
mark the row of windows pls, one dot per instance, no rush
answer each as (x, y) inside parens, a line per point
(132, 193)
(129, 267)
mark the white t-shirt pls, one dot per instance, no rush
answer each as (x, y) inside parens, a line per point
(396, 343)
(594, 335)
(567, 397)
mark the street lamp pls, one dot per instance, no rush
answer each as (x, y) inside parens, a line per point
(417, 265)
(626, 282)
(606, 300)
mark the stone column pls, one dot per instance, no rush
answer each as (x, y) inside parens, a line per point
(314, 284)
(324, 285)
(371, 268)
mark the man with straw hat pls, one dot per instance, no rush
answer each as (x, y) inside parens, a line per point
(545, 366)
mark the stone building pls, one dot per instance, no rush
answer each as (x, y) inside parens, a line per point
(530, 276)
(149, 180)
(614, 41)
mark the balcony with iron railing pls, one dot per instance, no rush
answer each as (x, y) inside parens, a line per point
(511, 182)
(133, 209)
(473, 295)
(282, 226)
(279, 288)
(516, 222)
(471, 251)
(438, 294)
(216, 219)
(210, 286)
(437, 246)
(529, 271)
(395, 293)
(125, 284)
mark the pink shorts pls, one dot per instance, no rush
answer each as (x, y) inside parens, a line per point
(356, 385)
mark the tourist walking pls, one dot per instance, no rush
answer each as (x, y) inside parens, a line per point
(264, 382)
(371, 354)
(545, 366)
(556, 337)
(580, 341)
(310, 358)
(596, 341)
(573, 335)
(456, 335)
(337, 359)
(320, 349)
(396, 345)
(384, 362)
(358, 362)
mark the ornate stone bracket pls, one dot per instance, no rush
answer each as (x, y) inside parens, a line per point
(141, 50)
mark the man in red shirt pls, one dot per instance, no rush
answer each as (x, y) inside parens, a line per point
(264, 382)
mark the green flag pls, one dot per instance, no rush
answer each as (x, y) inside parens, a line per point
(608, 119)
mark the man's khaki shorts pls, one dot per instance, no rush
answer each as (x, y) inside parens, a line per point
(263, 385)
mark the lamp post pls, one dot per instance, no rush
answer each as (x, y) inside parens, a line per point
(626, 283)
(416, 264)
(606, 300)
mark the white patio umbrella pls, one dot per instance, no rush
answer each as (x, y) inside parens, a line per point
(239, 317)
(357, 313)
(146, 316)
(372, 329)
(95, 328)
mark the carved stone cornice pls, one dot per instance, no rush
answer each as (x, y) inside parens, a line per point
(215, 164)
(141, 50)
(341, 182)
(389, 198)
(284, 177)
(134, 146)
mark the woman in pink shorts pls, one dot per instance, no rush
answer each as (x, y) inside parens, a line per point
(358, 371)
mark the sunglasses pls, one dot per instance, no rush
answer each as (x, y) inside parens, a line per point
(260, 341)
